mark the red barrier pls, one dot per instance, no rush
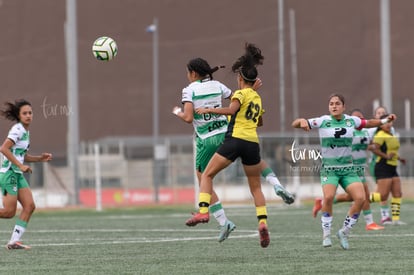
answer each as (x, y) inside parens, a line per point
(121, 197)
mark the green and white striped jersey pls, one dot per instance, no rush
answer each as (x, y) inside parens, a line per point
(21, 139)
(359, 147)
(208, 94)
(336, 139)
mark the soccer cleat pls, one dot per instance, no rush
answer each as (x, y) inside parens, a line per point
(386, 221)
(317, 206)
(16, 245)
(327, 241)
(373, 226)
(225, 230)
(343, 239)
(264, 235)
(287, 197)
(198, 218)
(398, 222)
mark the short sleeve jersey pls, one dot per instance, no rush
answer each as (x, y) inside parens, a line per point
(336, 138)
(388, 144)
(243, 124)
(207, 94)
(21, 140)
(360, 144)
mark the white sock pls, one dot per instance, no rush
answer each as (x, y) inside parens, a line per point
(326, 225)
(219, 213)
(349, 222)
(17, 234)
(273, 180)
(385, 212)
(368, 218)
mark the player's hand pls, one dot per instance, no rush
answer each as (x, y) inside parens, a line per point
(25, 169)
(403, 161)
(201, 111)
(257, 84)
(176, 110)
(391, 117)
(45, 157)
(304, 125)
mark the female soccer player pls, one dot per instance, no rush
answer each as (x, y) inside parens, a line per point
(336, 133)
(360, 143)
(386, 147)
(209, 129)
(384, 206)
(241, 140)
(13, 184)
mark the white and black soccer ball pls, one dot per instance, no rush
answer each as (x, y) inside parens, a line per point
(104, 48)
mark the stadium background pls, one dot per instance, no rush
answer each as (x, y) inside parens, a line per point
(338, 50)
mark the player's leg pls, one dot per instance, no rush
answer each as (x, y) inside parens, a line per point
(367, 212)
(253, 176)
(381, 195)
(25, 198)
(355, 189)
(8, 181)
(396, 200)
(271, 178)
(329, 187)
(216, 164)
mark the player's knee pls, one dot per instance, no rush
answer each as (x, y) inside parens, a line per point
(8, 213)
(30, 208)
(359, 200)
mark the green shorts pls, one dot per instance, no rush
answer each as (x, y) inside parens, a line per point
(360, 170)
(342, 176)
(11, 182)
(205, 149)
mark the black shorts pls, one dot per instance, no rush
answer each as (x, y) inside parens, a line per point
(385, 171)
(248, 151)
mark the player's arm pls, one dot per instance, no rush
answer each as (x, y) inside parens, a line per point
(231, 110)
(185, 114)
(369, 123)
(5, 149)
(301, 123)
(377, 151)
(41, 158)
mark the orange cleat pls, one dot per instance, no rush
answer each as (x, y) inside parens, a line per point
(373, 226)
(317, 206)
(16, 245)
(198, 218)
(264, 235)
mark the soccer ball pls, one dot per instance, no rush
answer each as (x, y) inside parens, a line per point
(104, 48)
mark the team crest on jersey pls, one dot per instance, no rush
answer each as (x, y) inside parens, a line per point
(348, 123)
(325, 179)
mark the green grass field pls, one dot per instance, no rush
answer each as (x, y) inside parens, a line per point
(154, 240)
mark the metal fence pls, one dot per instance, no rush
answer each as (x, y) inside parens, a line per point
(133, 171)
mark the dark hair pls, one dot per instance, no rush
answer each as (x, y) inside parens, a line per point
(357, 110)
(341, 97)
(12, 110)
(202, 68)
(246, 64)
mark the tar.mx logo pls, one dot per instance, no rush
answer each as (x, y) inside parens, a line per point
(299, 153)
(55, 109)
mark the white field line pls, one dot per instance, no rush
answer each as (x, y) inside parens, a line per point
(238, 234)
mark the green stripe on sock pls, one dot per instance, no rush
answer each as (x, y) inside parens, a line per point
(266, 172)
(21, 223)
(216, 207)
(366, 212)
